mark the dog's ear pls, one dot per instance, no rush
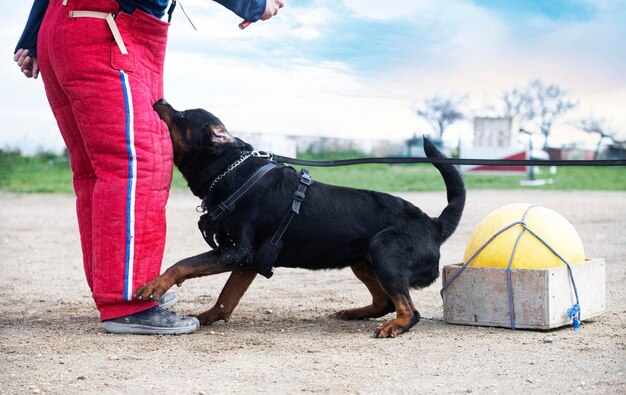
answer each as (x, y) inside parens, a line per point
(217, 133)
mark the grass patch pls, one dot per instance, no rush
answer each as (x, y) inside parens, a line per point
(51, 174)
(401, 178)
(42, 173)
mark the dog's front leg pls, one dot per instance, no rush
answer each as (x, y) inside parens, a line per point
(208, 263)
(235, 287)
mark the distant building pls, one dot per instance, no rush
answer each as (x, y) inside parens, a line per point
(495, 138)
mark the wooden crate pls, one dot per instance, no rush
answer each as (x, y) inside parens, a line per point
(479, 296)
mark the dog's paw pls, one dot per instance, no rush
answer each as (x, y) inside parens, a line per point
(398, 326)
(389, 329)
(210, 316)
(154, 289)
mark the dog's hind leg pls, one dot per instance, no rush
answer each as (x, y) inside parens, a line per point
(381, 303)
(407, 316)
(233, 290)
(391, 255)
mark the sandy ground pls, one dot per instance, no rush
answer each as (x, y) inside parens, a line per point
(283, 338)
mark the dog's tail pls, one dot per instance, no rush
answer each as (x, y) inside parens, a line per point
(451, 215)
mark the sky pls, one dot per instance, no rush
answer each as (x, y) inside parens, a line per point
(360, 68)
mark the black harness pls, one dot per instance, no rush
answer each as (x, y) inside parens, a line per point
(265, 258)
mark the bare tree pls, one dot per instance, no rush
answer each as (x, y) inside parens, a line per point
(539, 103)
(518, 104)
(550, 102)
(441, 112)
(597, 126)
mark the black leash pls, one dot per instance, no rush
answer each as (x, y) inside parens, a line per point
(268, 252)
(451, 161)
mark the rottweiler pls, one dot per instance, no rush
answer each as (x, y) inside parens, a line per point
(391, 245)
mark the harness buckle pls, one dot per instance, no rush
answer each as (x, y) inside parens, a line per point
(299, 196)
(305, 178)
(225, 208)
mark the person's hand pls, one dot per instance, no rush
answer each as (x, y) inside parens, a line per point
(271, 8)
(28, 64)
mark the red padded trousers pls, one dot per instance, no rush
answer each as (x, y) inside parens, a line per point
(120, 151)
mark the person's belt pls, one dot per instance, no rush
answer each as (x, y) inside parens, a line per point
(110, 18)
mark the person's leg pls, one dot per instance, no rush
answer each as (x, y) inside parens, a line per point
(76, 53)
(128, 148)
(141, 74)
(84, 177)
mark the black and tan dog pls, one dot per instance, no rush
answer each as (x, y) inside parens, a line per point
(390, 245)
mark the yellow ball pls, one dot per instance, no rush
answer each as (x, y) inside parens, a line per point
(530, 253)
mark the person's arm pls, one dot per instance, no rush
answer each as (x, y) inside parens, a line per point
(28, 40)
(26, 49)
(253, 10)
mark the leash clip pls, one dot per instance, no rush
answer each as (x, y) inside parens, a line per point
(263, 154)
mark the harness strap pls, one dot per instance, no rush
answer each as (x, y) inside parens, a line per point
(266, 256)
(110, 21)
(209, 221)
(298, 198)
(229, 204)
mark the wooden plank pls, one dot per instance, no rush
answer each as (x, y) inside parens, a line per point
(479, 296)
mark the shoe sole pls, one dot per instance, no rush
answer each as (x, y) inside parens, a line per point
(136, 329)
(169, 303)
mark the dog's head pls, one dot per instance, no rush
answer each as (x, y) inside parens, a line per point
(191, 130)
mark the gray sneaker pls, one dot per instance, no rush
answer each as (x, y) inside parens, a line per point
(167, 300)
(154, 321)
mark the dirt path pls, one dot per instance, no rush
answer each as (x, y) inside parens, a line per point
(282, 337)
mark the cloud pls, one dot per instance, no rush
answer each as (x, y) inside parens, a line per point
(358, 68)
(217, 26)
(390, 9)
(296, 98)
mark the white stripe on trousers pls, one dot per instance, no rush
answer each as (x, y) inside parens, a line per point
(131, 190)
